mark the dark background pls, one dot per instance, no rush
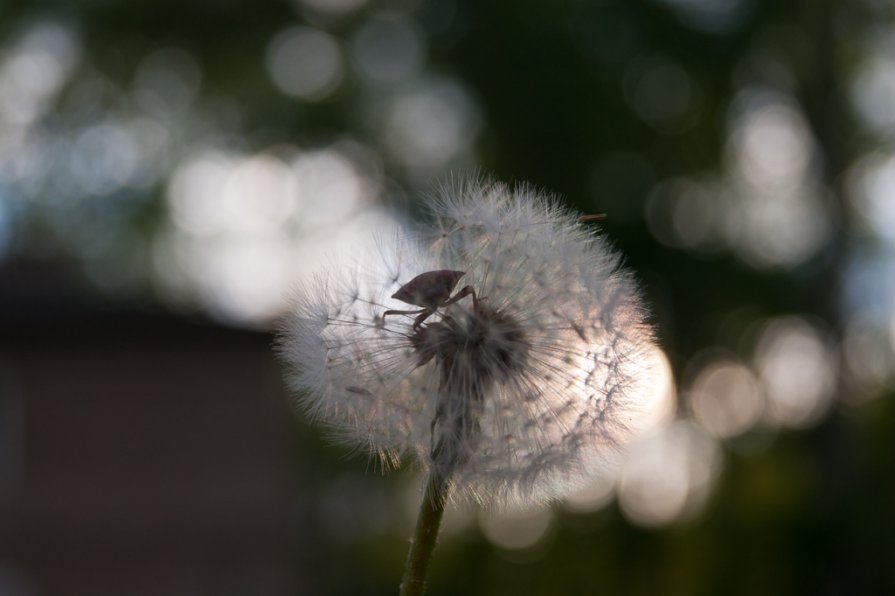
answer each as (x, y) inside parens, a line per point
(168, 170)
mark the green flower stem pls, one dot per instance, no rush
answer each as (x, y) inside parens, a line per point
(423, 543)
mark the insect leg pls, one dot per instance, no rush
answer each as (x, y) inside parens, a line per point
(424, 314)
(466, 291)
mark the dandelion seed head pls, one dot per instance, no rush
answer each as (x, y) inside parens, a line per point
(517, 391)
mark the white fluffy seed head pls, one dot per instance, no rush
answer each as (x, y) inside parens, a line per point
(517, 394)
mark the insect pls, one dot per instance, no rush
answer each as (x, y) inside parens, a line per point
(430, 290)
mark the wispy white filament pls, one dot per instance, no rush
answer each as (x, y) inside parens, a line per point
(518, 395)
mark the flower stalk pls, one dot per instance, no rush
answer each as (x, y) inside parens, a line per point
(425, 535)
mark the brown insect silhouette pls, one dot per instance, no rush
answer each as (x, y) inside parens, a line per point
(431, 290)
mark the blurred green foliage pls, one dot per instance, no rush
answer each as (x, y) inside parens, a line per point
(602, 102)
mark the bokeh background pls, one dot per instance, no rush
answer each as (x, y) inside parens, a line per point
(170, 169)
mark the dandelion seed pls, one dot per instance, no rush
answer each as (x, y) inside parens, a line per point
(517, 393)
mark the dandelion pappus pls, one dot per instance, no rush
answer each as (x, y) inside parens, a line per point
(431, 290)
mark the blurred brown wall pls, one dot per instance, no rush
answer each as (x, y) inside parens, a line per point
(139, 454)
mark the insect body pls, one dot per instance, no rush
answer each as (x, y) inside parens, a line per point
(430, 290)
